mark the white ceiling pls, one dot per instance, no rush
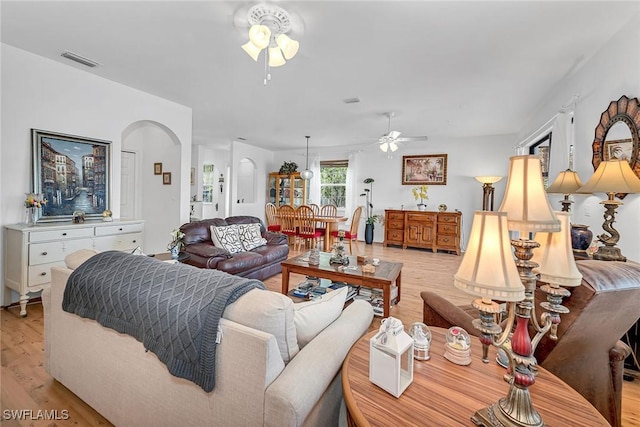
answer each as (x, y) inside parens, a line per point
(446, 68)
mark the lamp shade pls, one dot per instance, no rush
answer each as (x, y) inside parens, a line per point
(252, 50)
(525, 200)
(288, 45)
(567, 182)
(487, 268)
(275, 57)
(260, 36)
(388, 146)
(612, 176)
(557, 265)
(488, 179)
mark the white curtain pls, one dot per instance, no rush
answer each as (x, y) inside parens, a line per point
(560, 142)
(352, 194)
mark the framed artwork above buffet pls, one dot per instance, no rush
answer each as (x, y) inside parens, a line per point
(425, 169)
(72, 174)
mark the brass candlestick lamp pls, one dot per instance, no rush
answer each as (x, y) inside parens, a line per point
(568, 182)
(488, 271)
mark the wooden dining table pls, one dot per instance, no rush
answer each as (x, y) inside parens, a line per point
(331, 225)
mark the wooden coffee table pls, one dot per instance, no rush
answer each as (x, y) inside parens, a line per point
(387, 273)
(445, 394)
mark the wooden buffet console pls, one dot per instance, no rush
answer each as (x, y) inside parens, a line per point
(423, 229)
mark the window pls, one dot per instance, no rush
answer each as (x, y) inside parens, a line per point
(207, 181)
(333, 182)
(542, 149)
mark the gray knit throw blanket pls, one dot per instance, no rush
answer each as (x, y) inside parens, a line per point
(173, 309)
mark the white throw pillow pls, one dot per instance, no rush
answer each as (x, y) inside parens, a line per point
(75, 259)
(311, 317)
(267, 311)
(226, 237)
(250, 236)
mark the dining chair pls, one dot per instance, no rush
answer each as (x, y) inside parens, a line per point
(306, 222)
(329, 210)
(315, 207)
(287, 219)
(352, 233)
(271, 213)
(326, 210)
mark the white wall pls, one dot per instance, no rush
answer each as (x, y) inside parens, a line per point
(44, 94)
(154, 145)
(467, 157)
(612, 72)
(262, 160)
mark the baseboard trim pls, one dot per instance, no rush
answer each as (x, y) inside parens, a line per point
(17, 303)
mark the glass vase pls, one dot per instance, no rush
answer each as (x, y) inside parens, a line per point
(31, 215)
(175, 252)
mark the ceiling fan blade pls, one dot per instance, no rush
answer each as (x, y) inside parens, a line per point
(412, 139)
(394, 134)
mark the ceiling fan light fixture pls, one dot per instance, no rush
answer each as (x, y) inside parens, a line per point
(393, 146)
(275, 57)
(288, 45)
(252, 50)
(384, 147)
(269, 25)
(260, 35)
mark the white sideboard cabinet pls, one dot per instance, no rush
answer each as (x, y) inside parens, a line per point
(31, 250)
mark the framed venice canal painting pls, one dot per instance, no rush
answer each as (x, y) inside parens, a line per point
(426, 169)
(72, 174)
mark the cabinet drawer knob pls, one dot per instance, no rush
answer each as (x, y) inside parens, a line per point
(134, 241)
(44, 253)
(64, 234)
(120, 228)
(44, 273)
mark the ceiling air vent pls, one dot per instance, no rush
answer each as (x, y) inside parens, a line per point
(80, 59)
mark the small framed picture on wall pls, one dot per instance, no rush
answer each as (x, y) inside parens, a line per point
(166, 178)
(157, 168)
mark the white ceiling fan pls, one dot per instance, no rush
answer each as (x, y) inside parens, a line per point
(389, 141)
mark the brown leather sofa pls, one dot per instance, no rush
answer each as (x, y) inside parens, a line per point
(588, 354)
(259, 263)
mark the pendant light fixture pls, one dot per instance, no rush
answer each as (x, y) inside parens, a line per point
(306, 173)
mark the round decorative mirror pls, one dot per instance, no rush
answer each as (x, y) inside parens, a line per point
(617, 135)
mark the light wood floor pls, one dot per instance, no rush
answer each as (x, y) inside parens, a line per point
(26, 385)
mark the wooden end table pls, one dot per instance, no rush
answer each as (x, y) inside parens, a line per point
(445, 394)
(166, 256)
(387, 273)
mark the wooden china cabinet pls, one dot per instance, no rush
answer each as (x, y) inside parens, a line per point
(287, 189)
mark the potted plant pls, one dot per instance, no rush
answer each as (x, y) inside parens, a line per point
(176, 244)
(371, 218)
(420, 194)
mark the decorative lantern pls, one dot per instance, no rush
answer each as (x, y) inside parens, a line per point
(391, 357)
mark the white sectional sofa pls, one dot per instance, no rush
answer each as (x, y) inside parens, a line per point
(256, 384)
